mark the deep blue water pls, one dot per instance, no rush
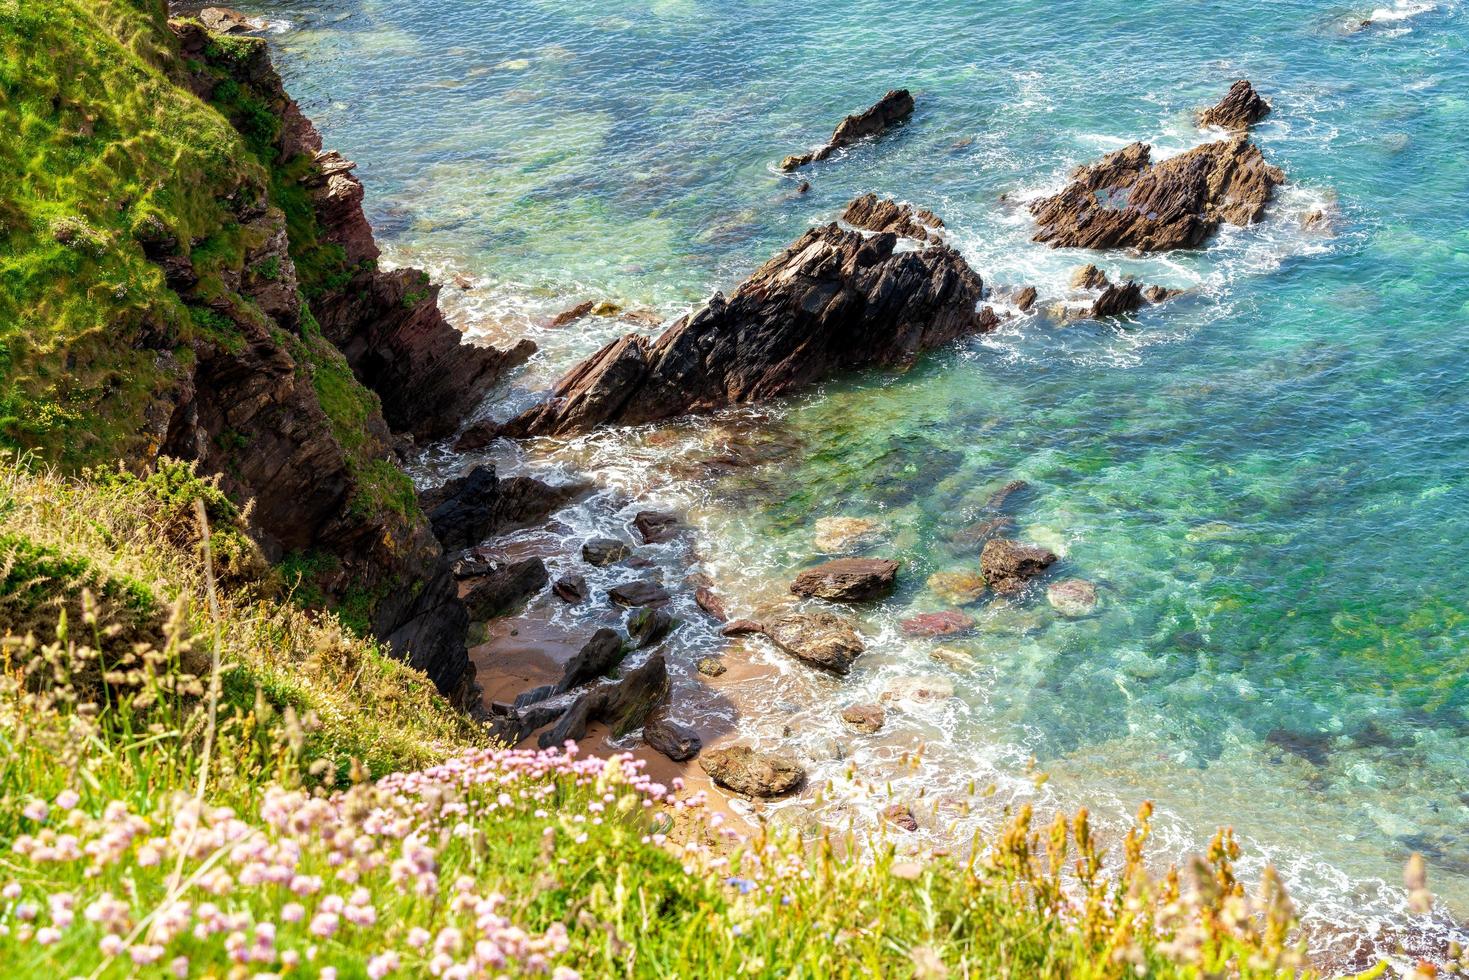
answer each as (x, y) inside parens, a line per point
(1266, 478)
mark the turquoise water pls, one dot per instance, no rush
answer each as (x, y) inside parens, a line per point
(1268, 478)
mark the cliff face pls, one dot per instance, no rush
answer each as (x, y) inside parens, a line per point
(178, 285)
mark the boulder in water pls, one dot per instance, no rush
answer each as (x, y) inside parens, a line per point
(1008, 565)
(848, 579)
(864, 718)
(872, 213)
(710, 666)
(1126, 201)
(1240, 108)
(571, 588)
(753, 772)
(676, 741)
(656, 527)
(648, 625)
(819, 638)
(639, 593)
(1025, 299)
(604, 551)
(889, 110)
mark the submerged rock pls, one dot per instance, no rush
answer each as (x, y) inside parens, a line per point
(1240, 108)
(836, 300)
(819, 638)
(960, 586)
(953, 658)
(1072, 596)
(1126, 201)
(835, 535)
(872, 213)
(864, 718)
(1008, 565)
(920, 689)
(848, 580)
(752, 771)
(944, 623)
(890, 110)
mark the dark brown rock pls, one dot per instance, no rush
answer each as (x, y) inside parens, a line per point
(656, 527)
(1126, 201)
(1025, 299)
(506, 587)
(571, 588)
(477, 436)
(1240, 108)
(604, 551)
(753, 772)
(848, 579)
(640, 593)
(468, 509)
(890, 110)
(865, 718)
(1001, 497)
(1117, 299)
(834, 301)
(1158, 294)
(741, 627)
(648, 625)
(706, 600)
(598, 655)
(624, 704)
(871, 213)
(676, 741)
(819, 638)
(571, 315)
(1008, 565)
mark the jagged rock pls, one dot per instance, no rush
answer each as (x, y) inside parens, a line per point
(648, 625)
(706, 600)
(1088, 277)
(835, 535)
(604, 551)
(223, 20)
(819, 638)
(506, 587)
(672, 739)
(871, 213)
(741, 627)
(1008, 565)
(571, 315)
(571, 588)
(477, 436)
(865, 718)
(848, 579)
(1157, 294)
(1240, 108)
(959, 586)
(943, 623)
(468, 509)
(656, 527)
(1117, 299)
(1025, 299)
(598, 655)
(624, 704)
(710, 666)
(890, 110)
(1126, 201)
(1072, 596)
(753, 772)
(900, 816)
(834, 301)
(640, 593)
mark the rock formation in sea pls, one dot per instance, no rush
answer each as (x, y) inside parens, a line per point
(1126, 201)
(888, 111)
(834, 301)
(1240, 108)
(872, 213)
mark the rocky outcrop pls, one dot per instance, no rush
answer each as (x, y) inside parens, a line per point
(623, 704)
(1116, 298)
(1008, 565)
(223, 20)
(596, 657)
(1126, 201)
(1240, 108)
(836, 300)
(871, 213)
(468, 509)
(818, 638)
(848, 580)
(505, 587)
(386, 322)
(753, 772)
(888, 111)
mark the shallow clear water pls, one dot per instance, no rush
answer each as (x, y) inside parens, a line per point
(1266, 478)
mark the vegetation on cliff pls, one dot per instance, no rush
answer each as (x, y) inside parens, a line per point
(187, 789)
